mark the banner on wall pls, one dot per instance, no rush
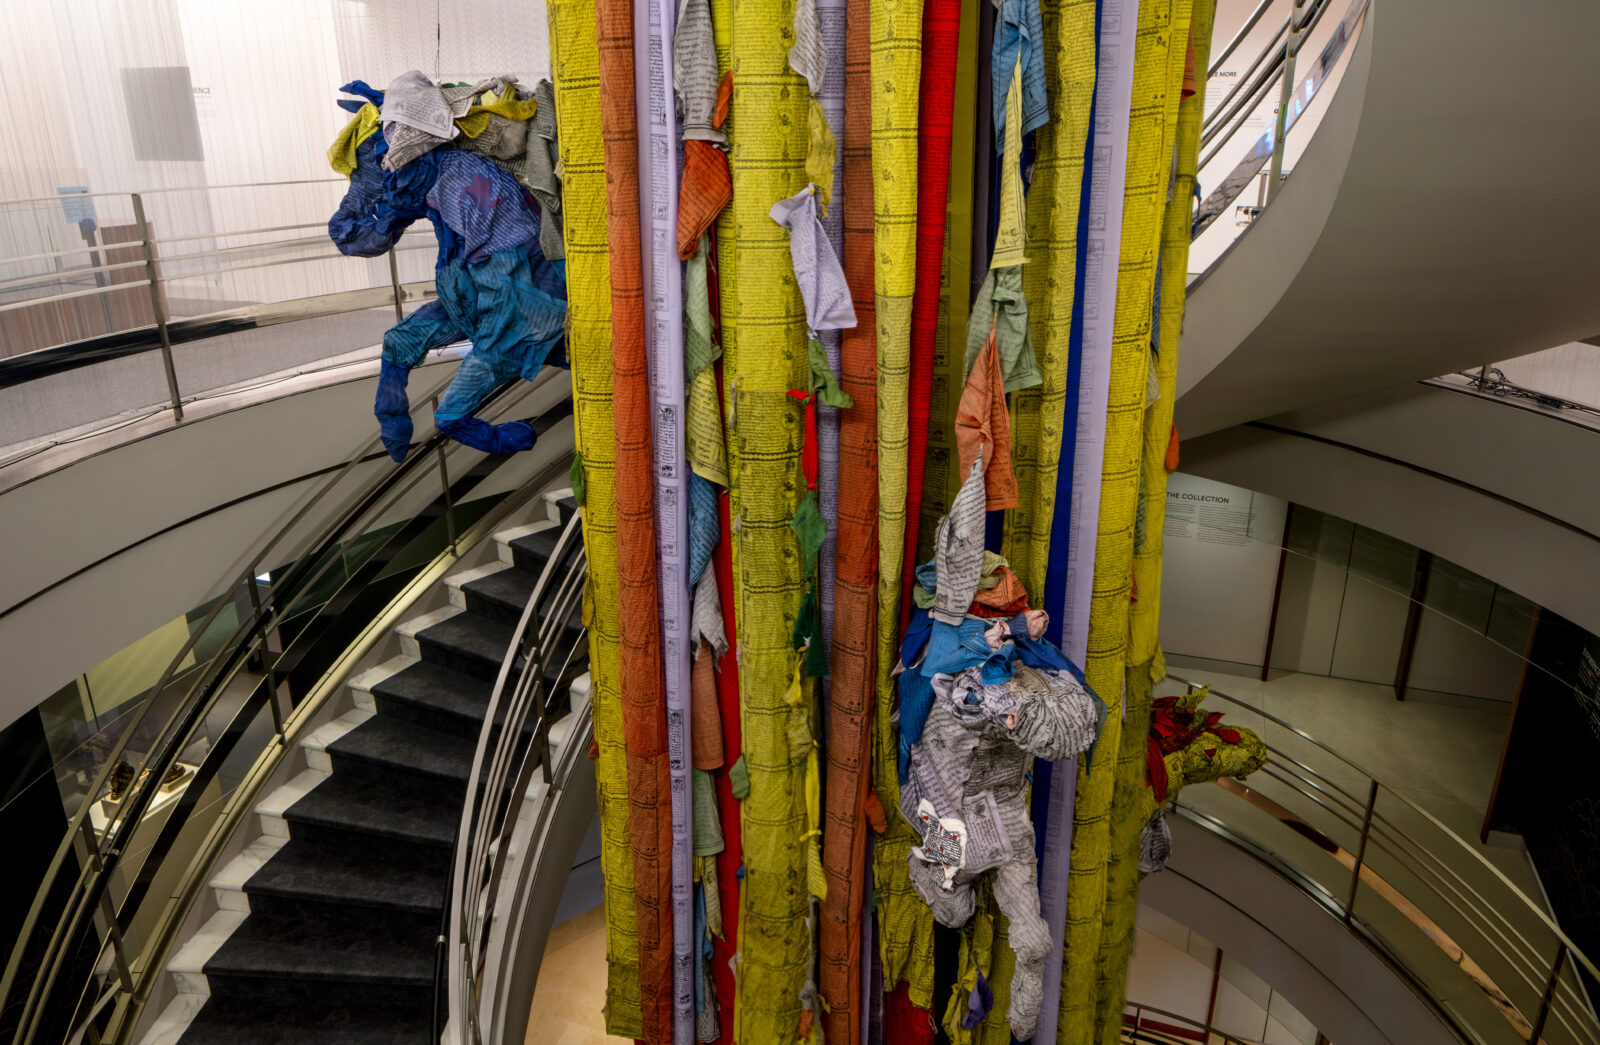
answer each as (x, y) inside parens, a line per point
(1222, 548)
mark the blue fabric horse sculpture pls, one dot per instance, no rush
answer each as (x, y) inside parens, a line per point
(495, 285)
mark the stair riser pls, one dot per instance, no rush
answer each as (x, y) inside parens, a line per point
(466, 662)
(532, 553)
(429, 717)
(338, 834)
(270, 994)
(492, 609)
(385, 772)
(421, 919)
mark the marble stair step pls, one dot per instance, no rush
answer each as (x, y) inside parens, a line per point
(316, 879)
(423, 811)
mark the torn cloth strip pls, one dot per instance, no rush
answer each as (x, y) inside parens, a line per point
(575, 62)
(644, 720)
(941, 36)
(855, 597)
(1045, 415)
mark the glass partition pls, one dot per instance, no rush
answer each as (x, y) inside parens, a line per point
(1393, 686)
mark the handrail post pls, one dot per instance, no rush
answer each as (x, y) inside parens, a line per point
(1361, 852)
(159, 310)
(394, 282)
(1549, 994)
(1291, 49)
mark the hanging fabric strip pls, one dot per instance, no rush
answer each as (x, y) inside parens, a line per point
(663, 275)
(765, 355)
(831, 17)
(575, 62)
(940, 479)
(730, 861)
(1131, 806)
(941, 35)
(644, 720)
(905, 919)
(853, 671)
(1081, 455)
(1152, 122)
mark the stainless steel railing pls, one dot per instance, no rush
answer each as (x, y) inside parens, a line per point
(1137, 1027)
(1396, 872)
(1275, 67)
(1490, 380)
(131, 289)
(514, 744)
(75, 972)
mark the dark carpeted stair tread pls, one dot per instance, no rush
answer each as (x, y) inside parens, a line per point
(501, 596)
(390, 743)
(467, 642)
(219, 1021)
(422, 810)
(367, 951)
(435, 696)
(531, 551)
(368, 878)
(566, 508)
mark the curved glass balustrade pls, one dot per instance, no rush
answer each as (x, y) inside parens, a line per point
(1564, 379)
(1485, 951)
(1259, 113)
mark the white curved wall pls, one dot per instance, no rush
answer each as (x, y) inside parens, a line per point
(1459, 227)
(1445, 471)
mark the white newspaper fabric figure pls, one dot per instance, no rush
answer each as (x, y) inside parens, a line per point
(966, 794)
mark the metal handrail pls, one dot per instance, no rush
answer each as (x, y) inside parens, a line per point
(1437, 876)
(53, 993)
(1490, 380)
(1238, 38)
(159, 335)
(505, 752)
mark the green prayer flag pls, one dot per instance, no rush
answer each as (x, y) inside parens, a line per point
(575, 476)
(808, 634)
(812, 529)
(823, 383)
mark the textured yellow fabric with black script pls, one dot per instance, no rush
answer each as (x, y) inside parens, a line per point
(1037, 414)
(574, 50)
(905, 921)
(1132, 803)
(764, 357)
(1151, 128)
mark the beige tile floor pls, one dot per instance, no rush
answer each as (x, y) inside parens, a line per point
(569, 1000)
